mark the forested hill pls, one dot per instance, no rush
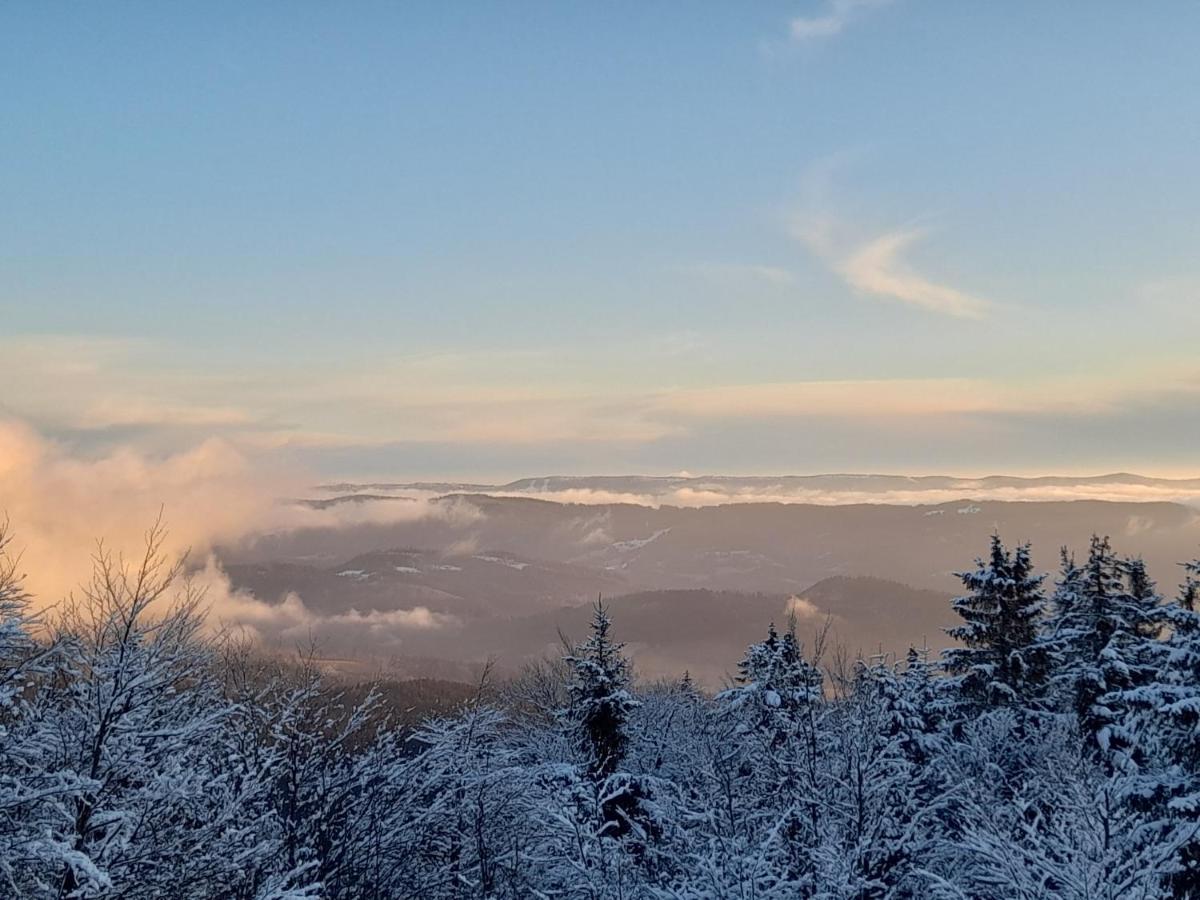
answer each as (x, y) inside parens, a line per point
(705, 632)
(769, 547)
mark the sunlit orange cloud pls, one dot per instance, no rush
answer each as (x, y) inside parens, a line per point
(59, 504)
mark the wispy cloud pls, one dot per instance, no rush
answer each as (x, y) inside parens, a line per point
(837, 16)
(878, 267)
(876, 264)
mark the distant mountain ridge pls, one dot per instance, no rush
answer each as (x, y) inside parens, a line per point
(851, 483)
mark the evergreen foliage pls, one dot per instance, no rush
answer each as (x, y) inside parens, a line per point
(600, 700)
(1001, 662)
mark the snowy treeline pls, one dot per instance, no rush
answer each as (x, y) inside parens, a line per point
(1054, 754)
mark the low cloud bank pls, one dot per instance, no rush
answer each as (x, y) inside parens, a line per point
(289, 623)
(59, 503)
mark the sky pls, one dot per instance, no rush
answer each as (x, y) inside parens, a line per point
(493, 240)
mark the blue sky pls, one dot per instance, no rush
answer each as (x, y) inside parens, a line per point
(490, 240)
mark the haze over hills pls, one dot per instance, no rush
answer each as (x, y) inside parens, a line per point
(497, 571)
(705, 632)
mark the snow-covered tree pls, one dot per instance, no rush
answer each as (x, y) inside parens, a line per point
(30, 788)
(1105, 628)
(140, 757)
(1176, 708)
(1001, 663)
(778, 708)
(135, 719)
(916, 712)
(610, 803)
(600, 700)
(1176, 693)
(1059, 829)
(20, 654)
(776, 686)
(1163, 718)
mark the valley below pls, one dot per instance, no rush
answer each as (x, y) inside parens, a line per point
(464, 577)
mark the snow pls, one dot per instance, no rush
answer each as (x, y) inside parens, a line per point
(511, 563)
(133, 760)
(639, 543)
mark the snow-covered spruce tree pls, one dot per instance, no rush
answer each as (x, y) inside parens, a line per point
(1189, 591)
(779, 710)
(917, 713)
(1104, 635)
(737, 823)
(1059, 636)
(1107, 620)
(597, 716)
(885, 788)
(600, 700)
(1164, 723)
(1002, 663)
(864, 850)
(1176, 706)
(914, 716)
(776, 687)
(606, 814)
